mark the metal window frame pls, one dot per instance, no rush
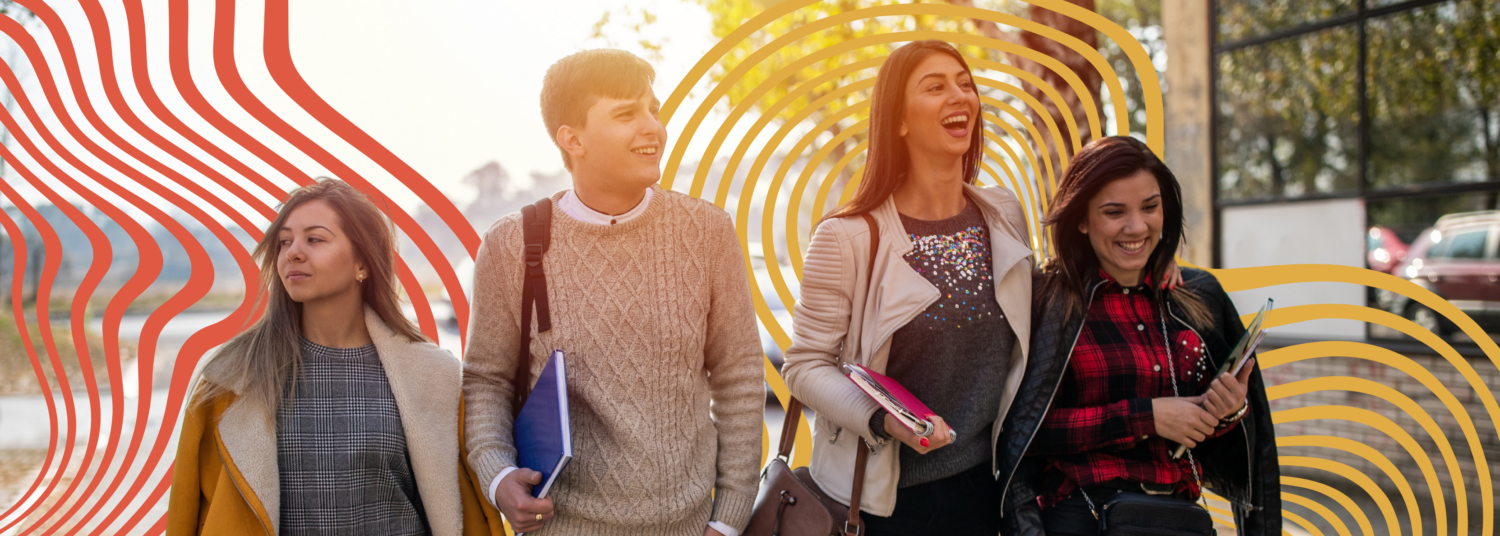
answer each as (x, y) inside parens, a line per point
(1360, 19)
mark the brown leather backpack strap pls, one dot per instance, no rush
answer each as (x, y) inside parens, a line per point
(853, 527)
(789, 429)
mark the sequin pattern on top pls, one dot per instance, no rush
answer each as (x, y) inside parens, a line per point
(955, 355)
(958, 264)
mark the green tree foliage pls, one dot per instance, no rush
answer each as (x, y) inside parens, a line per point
(729, 15)
(636, 20)
(1241, 19)
(1143, 19)
(1289, 114)
(1434, 95)
(1289, 110)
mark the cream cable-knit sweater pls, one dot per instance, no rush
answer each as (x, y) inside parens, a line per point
(665, 379)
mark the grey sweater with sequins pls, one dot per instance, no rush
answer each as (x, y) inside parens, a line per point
(955, 354)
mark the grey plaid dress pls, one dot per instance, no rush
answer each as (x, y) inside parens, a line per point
(341, 449)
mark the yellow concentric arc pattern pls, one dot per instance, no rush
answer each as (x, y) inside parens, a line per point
(1014, 163)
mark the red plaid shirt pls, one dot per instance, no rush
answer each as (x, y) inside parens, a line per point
(1100, 426)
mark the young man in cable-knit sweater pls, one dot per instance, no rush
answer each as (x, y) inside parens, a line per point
(650, 301)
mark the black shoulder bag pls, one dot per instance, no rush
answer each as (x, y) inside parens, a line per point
(1140, 514)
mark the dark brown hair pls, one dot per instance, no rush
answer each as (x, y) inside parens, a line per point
(573, 84)
(888, 159)
(258, 362)
(1101, 162)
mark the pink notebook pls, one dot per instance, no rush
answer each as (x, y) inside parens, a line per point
(893, 397)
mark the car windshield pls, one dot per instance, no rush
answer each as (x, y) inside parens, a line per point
(1468, 245)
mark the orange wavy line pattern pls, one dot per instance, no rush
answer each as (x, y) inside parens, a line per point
(162, 166)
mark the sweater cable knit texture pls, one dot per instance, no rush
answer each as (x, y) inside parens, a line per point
(665, 379)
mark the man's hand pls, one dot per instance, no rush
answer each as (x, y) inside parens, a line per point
(513, 498)
(709, 531)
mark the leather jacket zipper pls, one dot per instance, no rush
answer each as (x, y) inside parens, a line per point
(1004, 490)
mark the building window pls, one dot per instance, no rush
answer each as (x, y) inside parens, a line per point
(1434, 99)
(1249, 19)
(1393, 107)
(1289, 117)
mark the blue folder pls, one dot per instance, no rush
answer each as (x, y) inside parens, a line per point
(543, 437)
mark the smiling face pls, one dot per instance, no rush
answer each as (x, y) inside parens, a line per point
(941, 108)
(315, 259)
(1124, 225)
(619, 147)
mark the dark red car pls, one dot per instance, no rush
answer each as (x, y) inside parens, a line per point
(1456, 259)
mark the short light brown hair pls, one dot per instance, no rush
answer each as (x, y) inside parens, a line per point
(575, 83)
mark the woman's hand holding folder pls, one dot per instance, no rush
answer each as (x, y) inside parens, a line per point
(1188, 420)
(941, 435)
(905, 414)
(1228, 393)
(1182, 420)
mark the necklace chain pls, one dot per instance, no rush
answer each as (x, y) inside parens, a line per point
(1172, 370)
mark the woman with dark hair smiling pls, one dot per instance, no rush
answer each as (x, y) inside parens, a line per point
(939, 312)
(1129, 370)
(331, 414)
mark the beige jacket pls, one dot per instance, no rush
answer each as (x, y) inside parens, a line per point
(836, 321)
(238, 443)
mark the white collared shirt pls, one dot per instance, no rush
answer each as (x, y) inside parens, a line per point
(574, 207)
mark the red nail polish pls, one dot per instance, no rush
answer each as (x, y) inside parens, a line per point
(923, 442)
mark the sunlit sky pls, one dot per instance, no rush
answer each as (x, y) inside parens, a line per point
(449, 85)
(446, 85)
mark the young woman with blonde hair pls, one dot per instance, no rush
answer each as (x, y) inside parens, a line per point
(332, 413)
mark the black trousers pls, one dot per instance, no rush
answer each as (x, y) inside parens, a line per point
(965, 504)
(1072, 517)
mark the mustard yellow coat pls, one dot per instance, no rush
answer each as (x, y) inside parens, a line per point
(225, 479)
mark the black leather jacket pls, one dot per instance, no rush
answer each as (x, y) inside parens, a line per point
(1240, 465)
